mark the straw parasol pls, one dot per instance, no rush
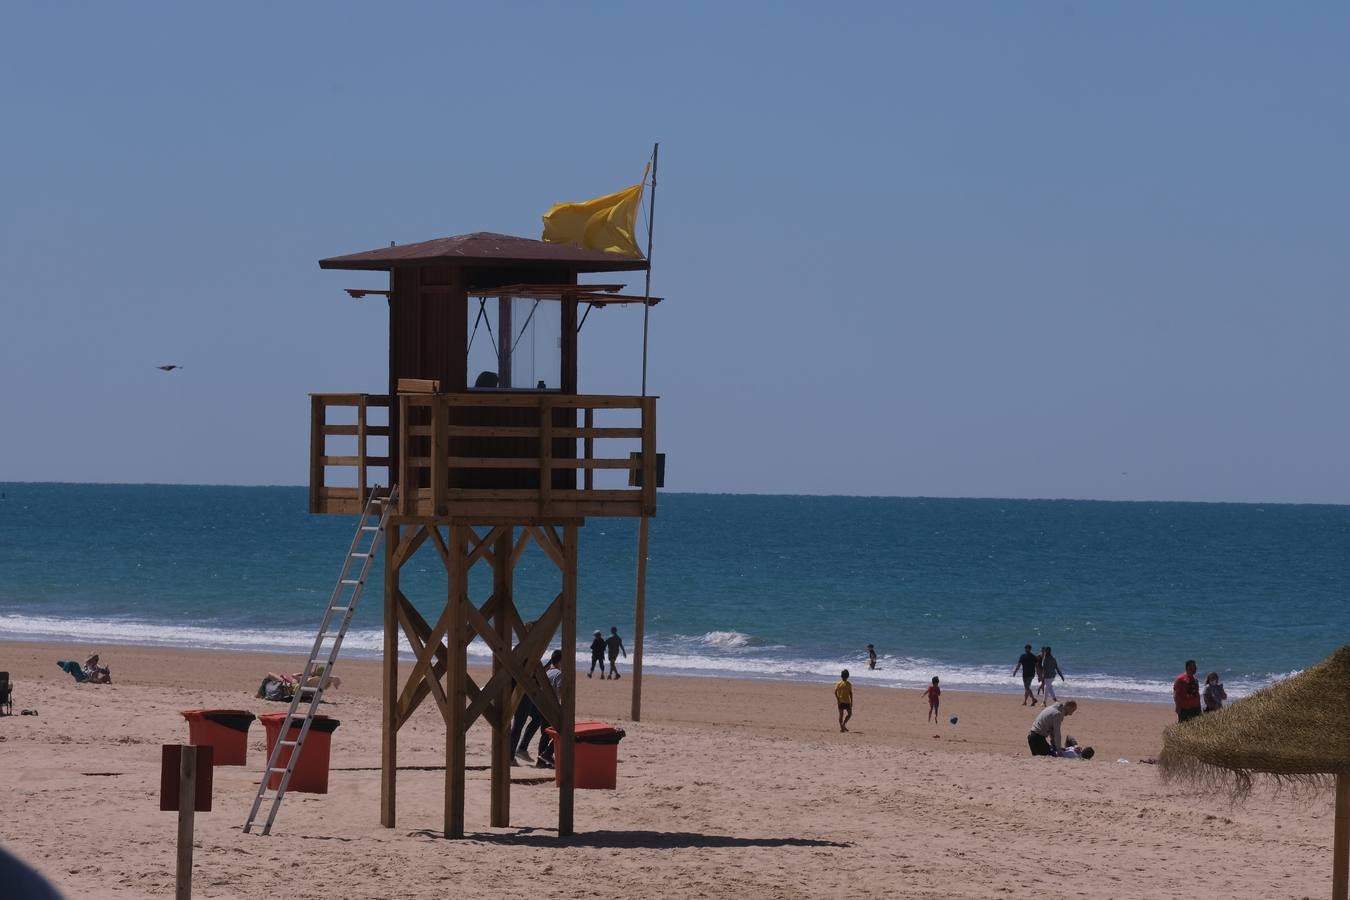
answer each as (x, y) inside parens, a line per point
(1297, 731)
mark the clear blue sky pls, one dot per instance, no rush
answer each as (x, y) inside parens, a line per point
(1016, 250)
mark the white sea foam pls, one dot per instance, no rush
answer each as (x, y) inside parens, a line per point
(716, 653)
(725, 639)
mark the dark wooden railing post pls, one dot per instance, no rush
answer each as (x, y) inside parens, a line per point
(406, 488)
(316, 450)
(361, 448)
(545, 451)
(649, 456)
(589, 451)
(440, 454)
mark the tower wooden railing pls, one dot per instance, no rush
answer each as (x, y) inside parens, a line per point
(542, 466)
(348, 499)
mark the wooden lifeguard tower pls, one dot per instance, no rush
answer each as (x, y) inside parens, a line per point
(491, 447)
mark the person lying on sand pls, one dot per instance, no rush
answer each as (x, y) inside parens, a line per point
(282, 687)
(1073, 751)
(94, 673)
(1044, 737)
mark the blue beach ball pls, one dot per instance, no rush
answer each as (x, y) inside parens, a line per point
(953, 720)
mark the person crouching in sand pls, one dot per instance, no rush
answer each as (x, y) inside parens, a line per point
(1045, 739)
(843, 695)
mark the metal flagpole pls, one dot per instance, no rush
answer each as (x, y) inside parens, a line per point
(647, 288)
(640, 612)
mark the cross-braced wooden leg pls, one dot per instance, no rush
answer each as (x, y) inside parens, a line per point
(500, 815)
(456, 688)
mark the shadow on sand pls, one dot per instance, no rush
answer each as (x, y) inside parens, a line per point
(624, 840)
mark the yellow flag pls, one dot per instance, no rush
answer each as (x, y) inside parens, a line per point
(606, 223)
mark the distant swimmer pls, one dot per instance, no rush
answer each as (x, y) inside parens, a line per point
(871, 657)
(169, 368)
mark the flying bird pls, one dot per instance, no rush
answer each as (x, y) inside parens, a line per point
(169, 368)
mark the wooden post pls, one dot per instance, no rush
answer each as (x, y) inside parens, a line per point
(407, 486)
(389, 719)
(588, 445)
(439, 455)
(187, 796)
(361, 487)
(545, 452)
(500, 812)
(1340, 841)
(318, 413)
(505, 335)
(455, 644)
(567, 730)
(640, 615)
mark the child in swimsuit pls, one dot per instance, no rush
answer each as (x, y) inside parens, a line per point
(933, 692)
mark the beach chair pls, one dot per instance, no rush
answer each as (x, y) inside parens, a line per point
(6, 695)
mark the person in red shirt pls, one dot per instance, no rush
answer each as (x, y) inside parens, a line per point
(1186, 693)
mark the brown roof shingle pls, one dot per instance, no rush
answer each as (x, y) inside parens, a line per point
(487, 248)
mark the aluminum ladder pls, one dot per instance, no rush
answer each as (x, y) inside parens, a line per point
(319, 665)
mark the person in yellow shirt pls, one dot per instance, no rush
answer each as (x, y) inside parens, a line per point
(843, 694)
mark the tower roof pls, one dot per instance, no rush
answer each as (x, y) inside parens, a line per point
(485, 248)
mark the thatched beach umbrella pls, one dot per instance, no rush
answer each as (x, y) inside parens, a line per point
(1297, 731)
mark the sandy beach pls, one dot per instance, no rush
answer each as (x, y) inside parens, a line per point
(726, 788)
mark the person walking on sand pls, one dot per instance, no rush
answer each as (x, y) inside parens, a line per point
(614, 645)
(1213, 694)
(843, 695)
(1186, 693)
(871, 657)
(1045, 737)
(1027, 663)
(933, 693)
(597, 654)
(1049, 670)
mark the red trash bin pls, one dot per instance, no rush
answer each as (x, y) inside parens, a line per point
(311, 769)
(225, 730)
(595, 755)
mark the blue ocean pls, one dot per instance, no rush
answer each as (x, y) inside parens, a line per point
(776, 587)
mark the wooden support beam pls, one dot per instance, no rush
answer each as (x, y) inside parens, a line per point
(520, 664)
(317, 415)
(440, 545)
(456, 601)
(639, 619)
(588, 446)
(499, 815)
(187, 806)
(389, 722)
(439, 451)
(548, 542)
(649, 456)
(408, 547)
(426, 646)
(545, 452)
(361, 487)
(519, 548)
(567, 731)
(485, 547)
